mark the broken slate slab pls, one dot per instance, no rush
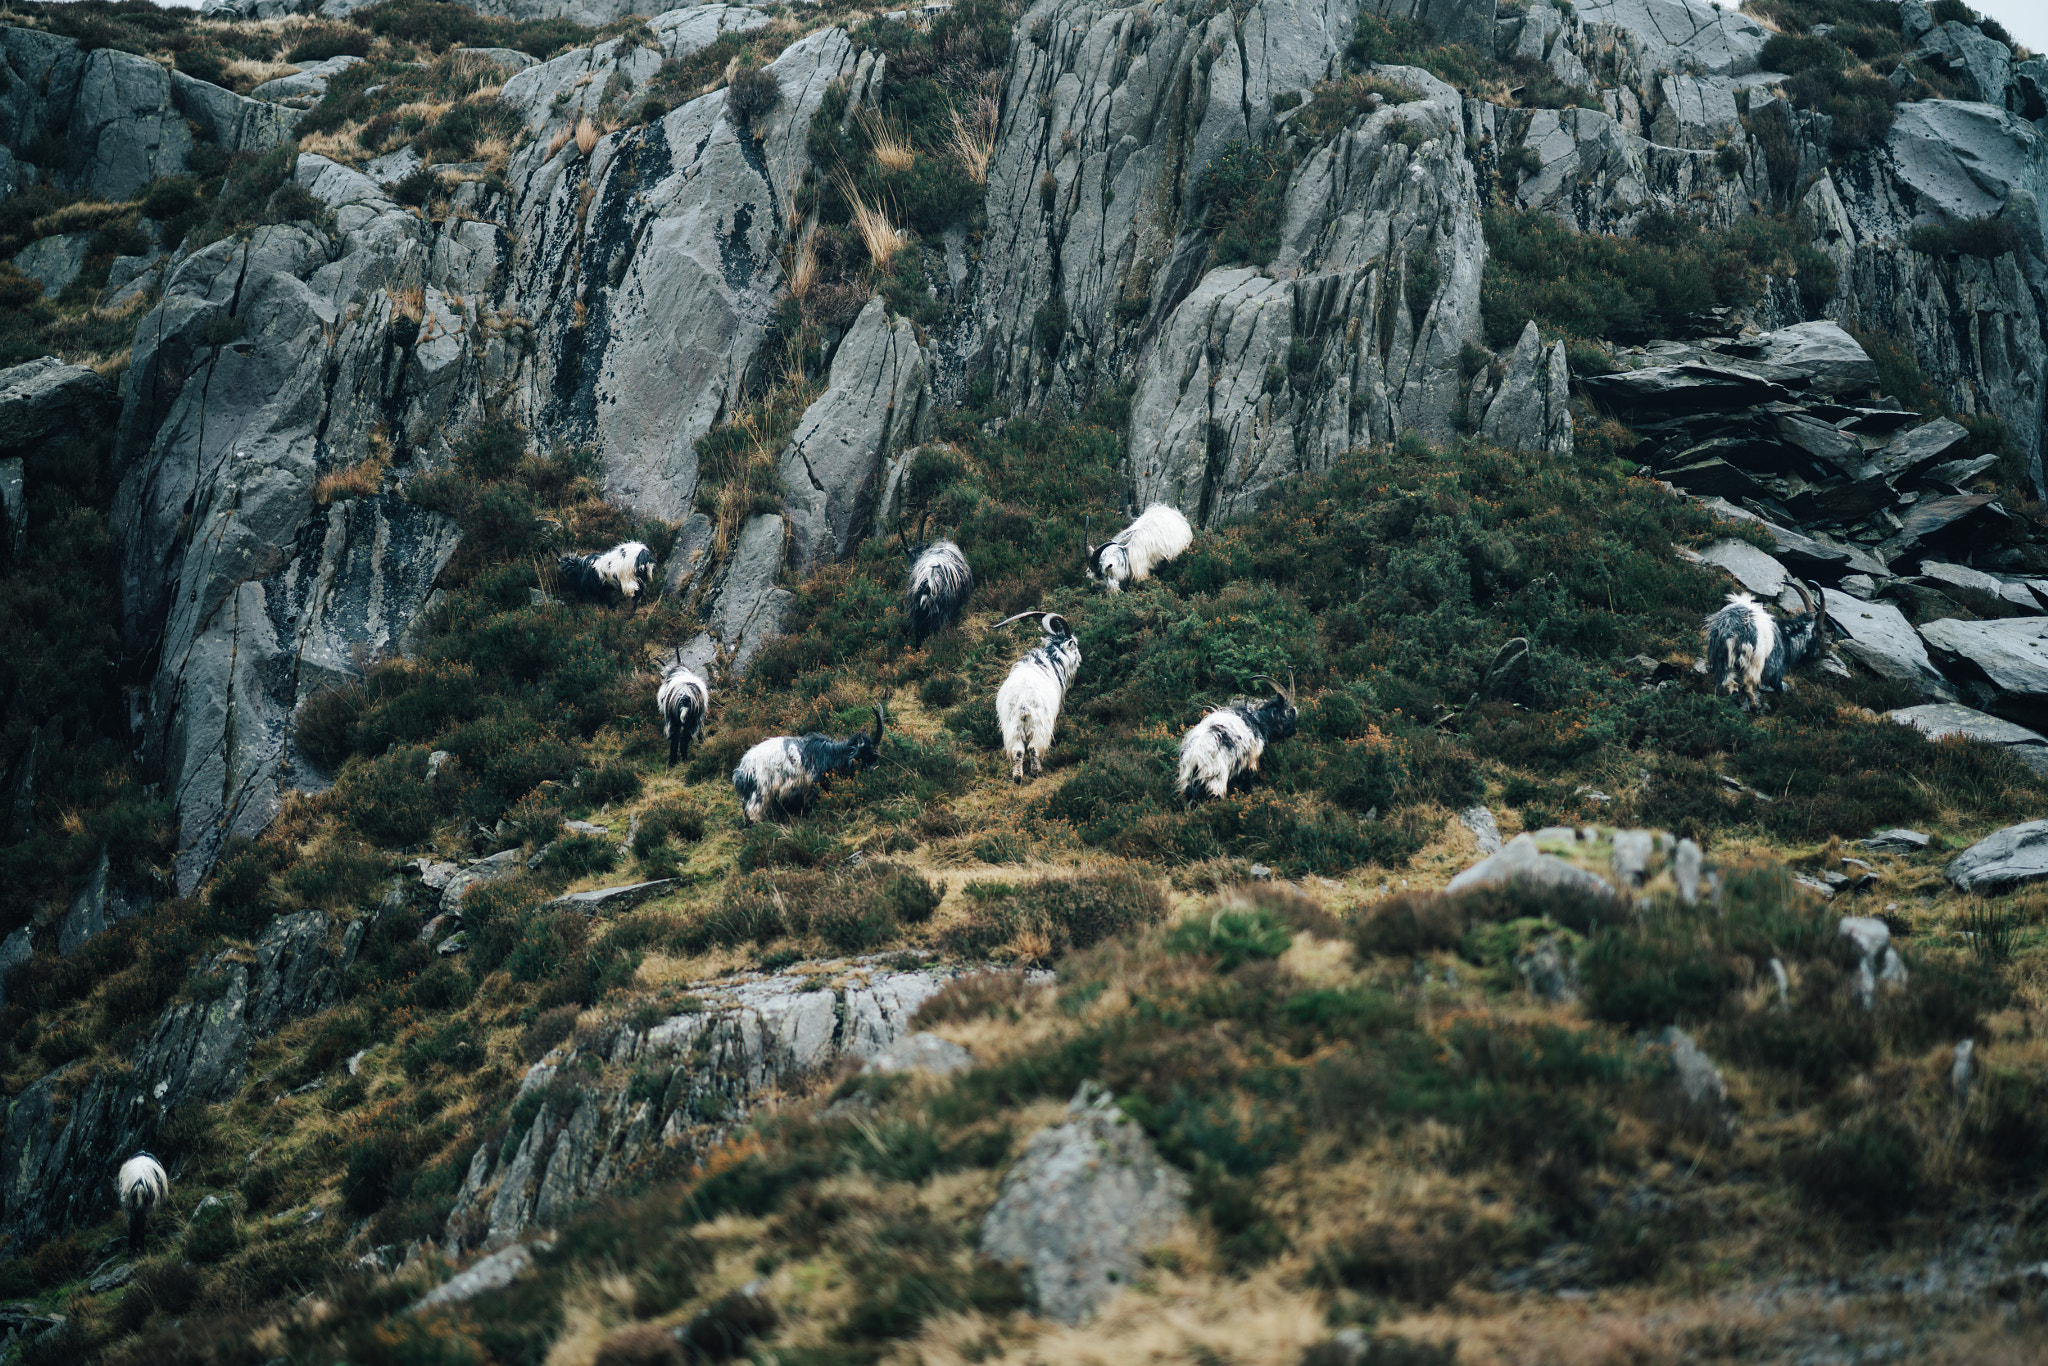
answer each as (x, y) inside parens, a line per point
(499, 866)
(604, 899)
(1913, 451)
(1939, 720)
(1947, 519)
(2004, 859)
(1829, 356)
(1757, 572)
(1896, 842)
(1878, 636)
(2012, 652)
(494, 1272)
(1987, 595)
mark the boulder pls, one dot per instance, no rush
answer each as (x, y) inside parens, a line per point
(1832, 360)
(1939, 720)
(1983, 65)
(1757, 572)
(1968, 160)
(297, 973)
(496, 868)
(99, 905)
(1696, 1084)
(1985, 594)
(2011, 652)
(1896, 841)
(510, 59)
(304, 88)
(747, 612)
(1691, 387)
(1878, 636)
(1682, 35)
(603, 899)
(2002, 860)
(13, 508)
(1805, 555)
(1913, 451)
(1077, 1211)
(494, 1272)
(1878, 962)
(1484, 829)
(43, 398)
(927, 1053)
(55, 261)
(1548, 970)
(1521, 862)
(876, 404)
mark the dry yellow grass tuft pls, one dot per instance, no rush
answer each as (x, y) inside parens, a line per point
(891, 144)
(882, 238)
(338, 144)
(587, 135)
(802, 267)
(973, 139)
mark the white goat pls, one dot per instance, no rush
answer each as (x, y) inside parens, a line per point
(1028, 703)
(1227, 742)
(627, 567)
(1159, 534)
(784, 772)
(683, 701)
(141, 1185)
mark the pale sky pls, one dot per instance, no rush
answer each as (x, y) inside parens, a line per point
(2025, 20)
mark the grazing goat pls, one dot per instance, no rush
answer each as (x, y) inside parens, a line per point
(1748, 652)
(141, 1185)
(1227, 743)
(783, 773)
(1028, 703)
(1159, 534)
(627, 567)
(683, 700)
(939, 584)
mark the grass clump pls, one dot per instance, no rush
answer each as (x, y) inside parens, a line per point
(1051, 916)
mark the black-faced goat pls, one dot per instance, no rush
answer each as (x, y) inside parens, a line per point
(784, 773)
(683, 701)
(141, 1185)
(1227, 743)
(939, 584)
(1749, 652)
(1159, 534)
(1028, 703)
(626, 569)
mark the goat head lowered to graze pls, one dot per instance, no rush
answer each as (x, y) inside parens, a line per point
(1750, 652)
(783, 773)
(625, 569)
(937, 588)
(1227, 743)
(1028, 703)
(1159, 534)
(683, 702)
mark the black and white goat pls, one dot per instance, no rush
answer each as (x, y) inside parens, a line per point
(626, 569)
(939, 584)
(1748, 651)
(785, 772)
(1159, 534)
(683, 701)
(1227, 743)
(1028, 703)
(141, 1185)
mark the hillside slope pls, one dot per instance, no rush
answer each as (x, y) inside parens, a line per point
(1485, 348)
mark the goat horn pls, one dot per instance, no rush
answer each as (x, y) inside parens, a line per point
(679, 656)
(1056, 624)
(1086, 538)
(1290, 685)
(1805, 598)
(1019, 617)
(881, 719)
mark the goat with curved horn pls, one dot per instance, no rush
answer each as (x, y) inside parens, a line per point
(1158, 535)
(1028, 703)
(784, 773)
(937, 588)
(1226, 744)
(1749, 652)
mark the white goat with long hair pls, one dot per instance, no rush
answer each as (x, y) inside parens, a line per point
(141, 1185)
(1159, 534)
(1749, 652)
(783, 773)
(1028, 703)
(627, 568)
(683, 701)
(1227, 743)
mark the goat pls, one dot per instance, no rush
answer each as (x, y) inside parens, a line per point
(627, 567)
(939, 584)
(1748, 651)
(1159, 534)
(1227, 743)
(1028, 703)
(683, 700)
(141, 1185)
(784, 772)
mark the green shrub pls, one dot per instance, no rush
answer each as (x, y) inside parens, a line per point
(1239, 193)
(574, 856)
(1988, 238)
(856, 926)
(1870, 1170)
(212, 1235)
(1233, 935)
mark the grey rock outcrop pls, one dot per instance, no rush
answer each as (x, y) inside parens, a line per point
(1531, 411)
(40, 399)
(1757, 572)
(876, 404)
(1878, 963)
(1938, 721)
(55, 261)
(1521, 862)
(2004, 859)
(1682, 35)
(1696, 1083)
(99, 905)
(494, 1272)
(1081, 1205)
(925, 1053)
(303, 88)
(1896, 841)
(196, 1054)
(698, 1073)
(15, 950)
(1479, 820)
